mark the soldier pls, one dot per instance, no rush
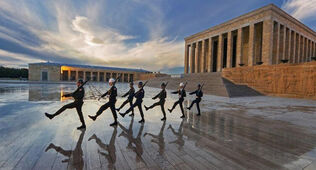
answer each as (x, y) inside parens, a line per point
(199, 95)
(182, 94)
(129, 99)
(162, 98)
(78, 96)
(139, 95)
(112, 93)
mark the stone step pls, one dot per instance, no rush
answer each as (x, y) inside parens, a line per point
(214, 84)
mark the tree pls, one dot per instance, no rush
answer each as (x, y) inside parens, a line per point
(6, 72)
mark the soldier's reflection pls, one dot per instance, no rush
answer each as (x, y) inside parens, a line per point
(159, 139)
(110, 148)
(128, 134)
(75, 157)
(179, 141)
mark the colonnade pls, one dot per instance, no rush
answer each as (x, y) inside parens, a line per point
(264, 42)
(74, 75)
(291, 45)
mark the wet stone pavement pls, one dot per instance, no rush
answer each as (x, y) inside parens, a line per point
(238, 133)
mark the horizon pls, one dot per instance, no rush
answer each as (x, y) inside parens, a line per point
(146, 35)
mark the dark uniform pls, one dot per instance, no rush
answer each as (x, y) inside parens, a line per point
(129, 99)
(162, 99)
(112, 93)
(139, 95)
(199, 95)
(78, 96)
(182, 95)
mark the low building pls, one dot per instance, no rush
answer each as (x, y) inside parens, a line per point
(72, 72)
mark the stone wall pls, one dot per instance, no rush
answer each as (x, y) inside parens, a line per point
(35, 72)
(285, 80)
(147, 76)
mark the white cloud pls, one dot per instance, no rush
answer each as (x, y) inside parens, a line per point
(79, 35)
(300, 9)
(16, 59)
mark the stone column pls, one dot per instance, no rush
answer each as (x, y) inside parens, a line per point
(308, 50)
(289, 46)
(77, 75)
(210, 55)
(251, 44)
(192, 58)
(313, 49)
(239, 46)
(278, 44)
(202, 57)
(69, 78)
(283, 43)
(229, 49)
(304, 49)
(186, 58)
(220, 53)
(298, 48)
(294, 46)
(197, 57)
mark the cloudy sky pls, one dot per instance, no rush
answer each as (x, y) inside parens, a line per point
(144, 34)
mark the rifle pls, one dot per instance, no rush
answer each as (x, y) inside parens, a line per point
(118, 77)
(185, 84)
(166, 84)
(78, 88)
(202, 86)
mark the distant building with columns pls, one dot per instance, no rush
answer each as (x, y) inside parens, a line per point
(72, 72)
(266, 36)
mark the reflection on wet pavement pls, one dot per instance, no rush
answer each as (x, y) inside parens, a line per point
(239, 133)
(74, 158)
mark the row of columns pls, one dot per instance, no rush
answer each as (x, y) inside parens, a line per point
(126, 77)
(266, 42)
(291, 45)
(201, 56)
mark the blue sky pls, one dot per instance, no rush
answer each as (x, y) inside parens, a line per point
(126, 33)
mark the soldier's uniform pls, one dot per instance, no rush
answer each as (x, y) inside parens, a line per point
(129, 99)
(162, 99)
(78, 96)
(199, 95)
(182, 94)
(139, 95)
(112, 93)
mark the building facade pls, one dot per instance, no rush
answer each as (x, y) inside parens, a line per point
(265, 36)
(70, 72)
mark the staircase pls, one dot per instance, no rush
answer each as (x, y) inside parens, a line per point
(214, 85)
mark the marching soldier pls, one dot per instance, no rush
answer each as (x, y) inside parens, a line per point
(199, 95)
(182, 94)
(78, 96)
(129, 99)
(162, 99)
(112, 93)
(139, 95)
